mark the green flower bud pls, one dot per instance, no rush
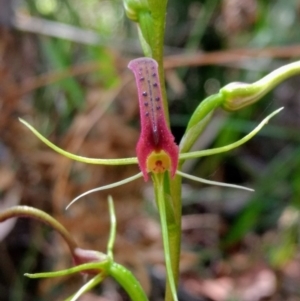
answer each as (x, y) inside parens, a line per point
(238, 95)
(133, 8)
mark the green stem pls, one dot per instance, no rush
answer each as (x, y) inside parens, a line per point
(175, 230)
(128, 282)
(169, 236)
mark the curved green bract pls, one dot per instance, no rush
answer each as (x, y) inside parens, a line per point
(205, 107)
(129, 283)
(145, 31)
(124, 161)
(199, 120)
(226, 148)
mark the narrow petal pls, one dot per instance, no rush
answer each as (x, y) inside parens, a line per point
(113, 185)
(201, 180)
(87, 287)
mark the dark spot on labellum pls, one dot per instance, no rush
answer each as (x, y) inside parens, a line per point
(158, 108)
(145, 93)
(147, 114)
(154, 84)
(142, 78)
(146, 104)
(154, 74)
(157, 98)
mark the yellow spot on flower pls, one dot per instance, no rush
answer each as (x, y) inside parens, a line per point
(158, 162)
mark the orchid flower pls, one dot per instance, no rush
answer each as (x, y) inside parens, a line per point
(157, 153)
(156, 150)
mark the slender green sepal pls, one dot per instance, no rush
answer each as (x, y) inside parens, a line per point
(226, 148)
(109, 186)
(158, 182)
(102, 267)
(129, 283)
(123, 161)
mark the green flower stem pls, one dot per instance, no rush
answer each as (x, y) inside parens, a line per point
(168, 234)
(158, 10)
(129, 283)
(239, 95)
(175, 229)
(30, 212)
